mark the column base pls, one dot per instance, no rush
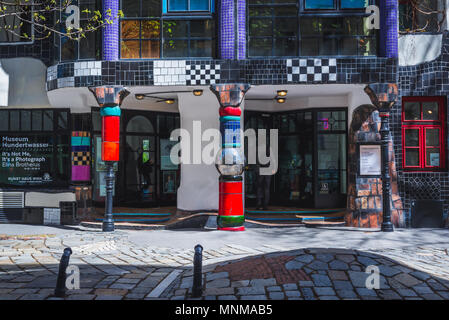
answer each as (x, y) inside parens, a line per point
(387, 227)
(231, 228)
(108, 226)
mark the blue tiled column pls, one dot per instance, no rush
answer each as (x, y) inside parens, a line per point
(232, 29)
(111, 31)
(389, 13)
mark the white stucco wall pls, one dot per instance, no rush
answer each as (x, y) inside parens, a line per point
(26, 82)
(418, 48)
(198, 188)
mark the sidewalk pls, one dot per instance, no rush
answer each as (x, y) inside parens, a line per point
(293, 263)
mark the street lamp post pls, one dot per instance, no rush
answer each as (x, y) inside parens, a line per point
(109, 99)
(384, 96)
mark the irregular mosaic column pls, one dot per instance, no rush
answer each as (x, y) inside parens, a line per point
(389, 12)
(230, 159)
(232, 29)
(109, 99)
(383, 96)
(111, 31)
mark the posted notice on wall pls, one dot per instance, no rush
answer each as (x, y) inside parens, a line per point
(25, 160)
(370, 160)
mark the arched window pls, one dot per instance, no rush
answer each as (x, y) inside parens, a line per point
(139, 124)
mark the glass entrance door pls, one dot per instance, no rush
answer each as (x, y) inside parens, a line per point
(331, 159)
(312, 147)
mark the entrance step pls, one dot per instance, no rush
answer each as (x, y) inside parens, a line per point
(140, 217)
(308, 217)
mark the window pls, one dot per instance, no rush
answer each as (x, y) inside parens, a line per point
(35, 147)
(147, 34)
(423, 133)
(326, 28)
(87, 47)
(12, 29)
(188, 5)
(421, 16)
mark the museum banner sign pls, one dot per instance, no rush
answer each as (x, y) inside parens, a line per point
(26, 159)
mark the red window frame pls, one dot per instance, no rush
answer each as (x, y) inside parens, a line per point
(423, 126)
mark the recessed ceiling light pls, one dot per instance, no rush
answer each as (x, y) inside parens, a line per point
(169, 101)
(282, 93)
(197, 92)
(140, 96)
(280, 100)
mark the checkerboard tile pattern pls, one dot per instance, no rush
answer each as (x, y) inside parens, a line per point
(201, 74)
(312, 70)
(81, 158)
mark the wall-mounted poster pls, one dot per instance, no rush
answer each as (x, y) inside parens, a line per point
(169, 180)
(370, 160)
(26, 160)
(166, 163)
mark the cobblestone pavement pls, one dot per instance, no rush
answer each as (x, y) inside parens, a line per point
(113, 267)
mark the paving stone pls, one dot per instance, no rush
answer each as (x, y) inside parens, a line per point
(81, 297)
(10, 296)
(276, 295)
(239, 283)
(262, 282)
(366, 292)
(389, 295)
(34, 296)
(292, 293)
(307, 294)
(358, 279)
(366, 261)
(324, 257)
(127, 286)
(135, 296)
(444, 294)
(318, 265)
(108, 297)
(431, 296)
(435, 285)
(219, 291)
(407, 279)
(210, 298)
(110, 292)
(324, 291)
(355, 267)
(227, 298)
(422, 289)
(328, 298)
(254, 297)
(347, 294)
(306, 283)
(345, 257)
(342, 285)
(218, 275)
(251, 290)
(338, 265)
(388, 271)
(304, 258)
(407, 292)
(274, 288)
(321, 280)
(294, 265)
(180, 292)
(420, 275)
(290, 286)
(177, 298)
(186, 283)
(337, 275)
(218, 283)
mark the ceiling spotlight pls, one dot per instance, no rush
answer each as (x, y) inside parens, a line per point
(282, 93)
(280, 100)
(197, 92)
(169, 101)
(140, 96)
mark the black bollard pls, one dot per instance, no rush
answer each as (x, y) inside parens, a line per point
(60, 283)
(197, 289)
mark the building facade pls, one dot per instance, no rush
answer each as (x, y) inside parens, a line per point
(322, 52)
